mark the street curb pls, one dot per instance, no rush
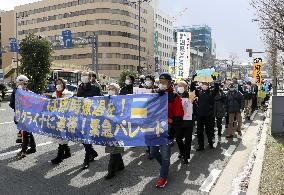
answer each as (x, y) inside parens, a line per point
(237, 162)
(255, 177)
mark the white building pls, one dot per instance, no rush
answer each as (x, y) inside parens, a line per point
(164, 30)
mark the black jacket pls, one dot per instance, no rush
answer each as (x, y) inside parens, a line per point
(12, 99)
(126, 89)
(88, 90)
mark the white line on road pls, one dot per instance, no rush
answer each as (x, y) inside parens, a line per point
(18, 150)
(210, 180)
(230, 150)
(3, 109)
(6, 123)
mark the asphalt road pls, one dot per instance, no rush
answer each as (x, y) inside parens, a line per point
(35, 175)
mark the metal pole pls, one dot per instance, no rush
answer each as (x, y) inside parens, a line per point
(97, 53)
(17, 46)
(93, 53)
(139, 5)
(274, 83)
(197, 61)
(232, 70)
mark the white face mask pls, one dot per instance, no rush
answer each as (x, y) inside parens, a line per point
(59, 87)
(204, 87)
(127, 82)
(20, 87)
(180, 90)
(85, 79)
(148, 83)
(111, 92)
(162, 87)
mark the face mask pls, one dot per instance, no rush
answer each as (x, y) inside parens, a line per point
(148, 83)
(180, 90)
(111, 92)
(59, 87)
(85, 79)
(162, 87)
(20, 87)
(127, 82)
(204, 87)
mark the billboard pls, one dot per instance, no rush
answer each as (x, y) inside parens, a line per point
(183, 55)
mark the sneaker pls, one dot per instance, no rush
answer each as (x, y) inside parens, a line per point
(93, 156)
(180, 156)
(21, 155)
(161, 183)
(31, 150)
(56, 161)
(85, 166)
(185, 161)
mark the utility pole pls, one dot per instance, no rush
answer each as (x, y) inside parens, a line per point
(95, 56)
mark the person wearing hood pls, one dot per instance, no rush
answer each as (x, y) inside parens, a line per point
(115, 162)
(63, 151)
(187, 124)
(235, 105)
(175, 116)
(27, 137)
(86, 89)
(128, 87)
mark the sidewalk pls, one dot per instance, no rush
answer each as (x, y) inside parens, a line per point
(234, 177)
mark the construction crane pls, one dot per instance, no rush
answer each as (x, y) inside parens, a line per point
(181, 13)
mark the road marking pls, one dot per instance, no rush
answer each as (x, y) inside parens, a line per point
(230, 150)
(3, 109)
(210, 180)
(18, 150)
(6, 123)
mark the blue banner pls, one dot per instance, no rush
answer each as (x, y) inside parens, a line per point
(13, 44)
(131, 120)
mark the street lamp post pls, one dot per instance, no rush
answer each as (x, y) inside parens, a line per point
(17, 55)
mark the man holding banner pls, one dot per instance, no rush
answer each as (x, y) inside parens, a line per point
(86, 89)
(162, 153)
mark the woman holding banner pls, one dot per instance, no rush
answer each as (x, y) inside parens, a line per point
(63, 151)
(115, 162)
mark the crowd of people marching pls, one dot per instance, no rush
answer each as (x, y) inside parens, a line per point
(193, 107)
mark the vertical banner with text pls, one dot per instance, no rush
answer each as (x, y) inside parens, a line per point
(183, 55)
(257, 70)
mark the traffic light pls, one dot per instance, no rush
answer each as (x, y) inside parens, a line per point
(249, 51)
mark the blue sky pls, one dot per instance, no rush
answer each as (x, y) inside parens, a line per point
(230, 20)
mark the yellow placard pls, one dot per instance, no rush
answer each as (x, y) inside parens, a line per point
(257, 71)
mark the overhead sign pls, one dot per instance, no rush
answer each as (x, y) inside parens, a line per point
(183, 55)
(257, 70)
(13, 45)
(67, 39)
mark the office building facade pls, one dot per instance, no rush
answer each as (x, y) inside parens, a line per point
(114, 22)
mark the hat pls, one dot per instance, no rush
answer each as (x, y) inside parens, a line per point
(150, 77)
(166, 76)
(21, 79)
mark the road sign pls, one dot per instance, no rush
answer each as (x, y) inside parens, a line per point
(67, 39)
(13, 45)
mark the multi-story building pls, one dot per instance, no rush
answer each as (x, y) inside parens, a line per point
(201, 37)
(114, 22)
(0, 39)
(164, 38)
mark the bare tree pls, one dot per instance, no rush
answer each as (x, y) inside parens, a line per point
(270, 14)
